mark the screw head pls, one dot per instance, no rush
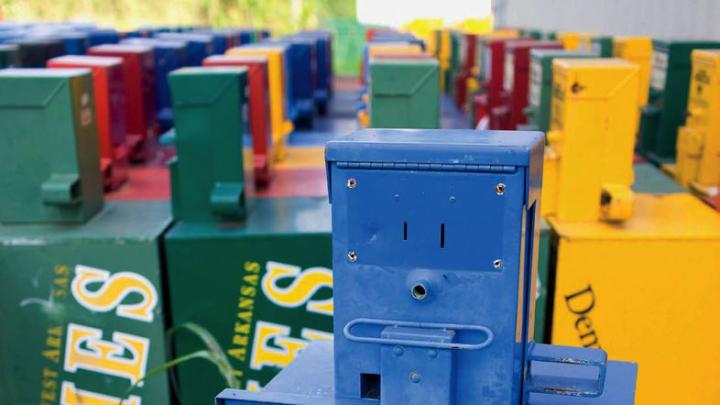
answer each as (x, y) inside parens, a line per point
(398, 351)
(351, 183)
(415, 377)
(432, 353)
(352, 256)
(500, 189)
(497, 263)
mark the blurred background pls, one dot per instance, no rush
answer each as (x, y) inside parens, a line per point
(348, 19)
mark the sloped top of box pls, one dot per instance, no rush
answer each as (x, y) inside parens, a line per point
(594, 63)
(39, 72)
(229, 59)
(37, 41)
(84, 60)
(156, 43)
(560, 53)
(126, 220)
(121, 48)
(185, 36)
(449, 147)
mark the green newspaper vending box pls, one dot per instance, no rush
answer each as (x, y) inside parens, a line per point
(669, 84)
(404, 93)
(81, 312)
(255, 276)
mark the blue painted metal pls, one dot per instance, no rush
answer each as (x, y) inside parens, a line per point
(323, 63)
(169, 55)
(102, 36)
(76, 43)
(199, 46)
(221, 40)
(302, 96)
(434, 247)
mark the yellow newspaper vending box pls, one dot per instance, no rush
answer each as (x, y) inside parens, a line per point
(637, 275)
(588, 161)
(698, 142)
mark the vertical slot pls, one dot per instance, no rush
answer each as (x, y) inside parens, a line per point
(404, 230)
(442, 236)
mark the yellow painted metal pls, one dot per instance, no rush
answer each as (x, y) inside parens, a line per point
(424, 28)
(588, 161)
(279, 122)
(698, 142)
(476, 25)
(576, 41)
(363, 118)
(637, 50)
(303, 158)
(646, 290)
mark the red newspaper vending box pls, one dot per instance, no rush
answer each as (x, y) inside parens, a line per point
(259, 110)
(492, 74)
(139, 80)
(107, 74)
(514, 97)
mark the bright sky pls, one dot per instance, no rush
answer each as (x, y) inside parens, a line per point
(397, 12)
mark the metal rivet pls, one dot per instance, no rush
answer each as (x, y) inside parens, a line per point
(500, 189)
(498, 264)
(398, 351)
(352, 256)
(452, 199)
(432, 353)
(351, 183)
(415, 377)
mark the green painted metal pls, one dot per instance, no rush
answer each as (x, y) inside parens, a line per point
(603, 46)
(542, 297)
(540, 92)
(8, 55)
(66, 281)
(212, 176)
(50, 170)
(650, 179)
(669, 84)
(242, 281)
(404, 93)
(455, 64)
(550, 35)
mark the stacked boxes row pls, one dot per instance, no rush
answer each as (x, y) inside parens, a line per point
(98, 284)
(619, 230)
(402, 83)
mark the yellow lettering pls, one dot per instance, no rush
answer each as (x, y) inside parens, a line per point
(85, 349)
(312, 334)
(251, 279)
(239, 353)
(252, 267)
(248, 291)
(52, 355)
(284, 348)
(73, 396)
(243, 328)
(62, 270)
(246, 316)
(302, 288)
(114, 289)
